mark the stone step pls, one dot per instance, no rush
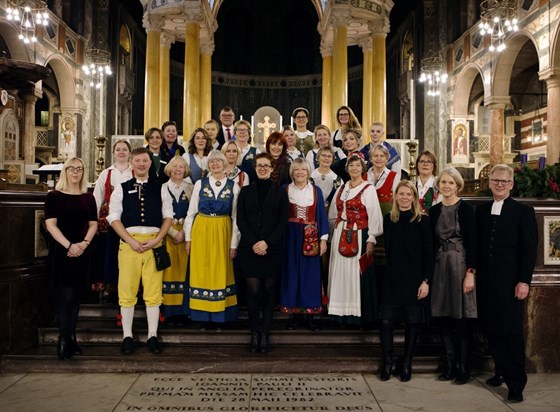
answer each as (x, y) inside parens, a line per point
(226, 337)
(219, 359)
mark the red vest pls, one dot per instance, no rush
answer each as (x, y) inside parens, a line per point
(355, 210)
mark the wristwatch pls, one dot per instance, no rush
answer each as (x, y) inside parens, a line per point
(471, 270)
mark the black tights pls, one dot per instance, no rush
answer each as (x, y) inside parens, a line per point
(261, 292)
(68, 304)
(461, 326)
(410, 334)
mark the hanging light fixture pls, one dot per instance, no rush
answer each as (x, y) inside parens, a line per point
(498, 18)
(433, 75)
(98, 65)
(29, 14)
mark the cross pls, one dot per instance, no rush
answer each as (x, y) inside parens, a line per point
(266, 126)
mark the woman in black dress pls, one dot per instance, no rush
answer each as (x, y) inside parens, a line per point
(71, 219)
(453, 299)
(262, 215)
(410, 264)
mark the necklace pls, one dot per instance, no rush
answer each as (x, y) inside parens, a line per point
(376, 181)
(218, 183)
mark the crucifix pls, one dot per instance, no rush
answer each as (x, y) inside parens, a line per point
(266, 126)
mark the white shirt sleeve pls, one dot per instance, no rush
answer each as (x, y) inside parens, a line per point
(375, 217)
(166, 204)
(115, 205)
(192, 212)
(235, 233)
(99, 189)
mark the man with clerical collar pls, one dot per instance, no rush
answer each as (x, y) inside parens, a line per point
(140, 213)
(507, 252)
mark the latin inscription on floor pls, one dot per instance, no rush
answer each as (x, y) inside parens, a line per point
(245, 392)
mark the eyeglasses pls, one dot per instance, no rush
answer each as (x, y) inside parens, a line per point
(425, 162)
(215, 161)
(500, 182)
(226, 115)
(264, 167)
(73, 169)
(301, 117)
(242, 130)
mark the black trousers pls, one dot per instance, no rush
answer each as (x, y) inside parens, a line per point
(508, 352)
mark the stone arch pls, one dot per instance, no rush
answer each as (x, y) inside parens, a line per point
(503, 69)
(65, 79)
(463, 87)
(9, 33)
(555, 49)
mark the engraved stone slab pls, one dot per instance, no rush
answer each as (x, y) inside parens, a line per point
(188, 392)
(244, 393)
(314, 392)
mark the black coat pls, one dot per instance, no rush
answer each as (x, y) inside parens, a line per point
(507, 253)
(467, 223)
(267, 223)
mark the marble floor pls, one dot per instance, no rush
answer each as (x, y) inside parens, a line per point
(101, 392)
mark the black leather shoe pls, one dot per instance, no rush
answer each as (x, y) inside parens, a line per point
(63, 348)
(127, 346)
(153, 345)
(406, 372)
(254, 344)
(76, 350)
(495, 381)
(515, 396)
(463, 376)
(265, 341)
(385, 373)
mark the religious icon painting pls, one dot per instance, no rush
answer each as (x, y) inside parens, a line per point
(551, 240)
(460, 144)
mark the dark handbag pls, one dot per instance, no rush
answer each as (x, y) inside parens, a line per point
(348, 244)
(163, 260)
(310, 240)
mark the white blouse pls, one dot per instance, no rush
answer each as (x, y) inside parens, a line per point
(117, 177)
(368, 199)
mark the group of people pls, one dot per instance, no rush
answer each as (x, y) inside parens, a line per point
(316, 221)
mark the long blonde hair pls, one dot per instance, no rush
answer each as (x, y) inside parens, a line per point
(416, 210)
(62, 183)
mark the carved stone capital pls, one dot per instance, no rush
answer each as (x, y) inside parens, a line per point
(166, 40)
(340, 19)
(152, 23)
(207, 47)
(379, 28)
(326, 49)
(366, 43)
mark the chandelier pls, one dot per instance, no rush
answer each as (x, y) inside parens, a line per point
(29, 14)
(498, 19)
(98, 65)
(433, 75)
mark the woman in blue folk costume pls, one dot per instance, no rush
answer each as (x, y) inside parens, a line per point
(300, 292)
(175, 286)
(212, 237)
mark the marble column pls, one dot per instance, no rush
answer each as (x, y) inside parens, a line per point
(327, 112)
(497, 133)
(553, 119)
(151, 90)
(367, 48)
(379, 75)
(206, 50)
(29, 133)
(164, 75)
(191, 86)
(340, 63)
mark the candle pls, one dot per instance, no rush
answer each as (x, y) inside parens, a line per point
(292, 121)
(240, 117)
(252, 126)
(280, 125)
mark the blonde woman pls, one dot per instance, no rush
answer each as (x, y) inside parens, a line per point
(175, 286)
(232, 152)
(410, 264)
(322, 139)
(71, 219)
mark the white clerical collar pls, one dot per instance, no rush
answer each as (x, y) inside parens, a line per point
(497, 207)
